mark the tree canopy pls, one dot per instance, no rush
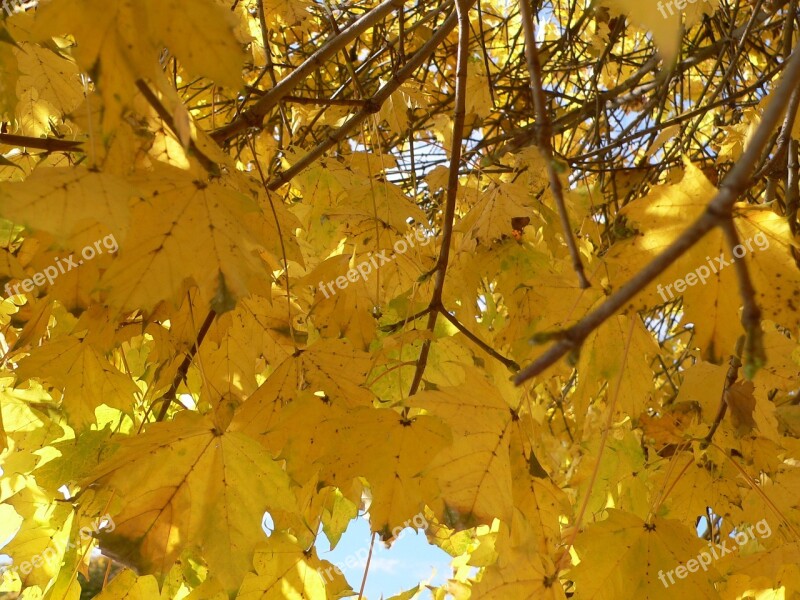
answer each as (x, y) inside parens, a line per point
(522, 276)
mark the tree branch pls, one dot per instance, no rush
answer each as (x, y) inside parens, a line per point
(751, 314)
(183, 369)
(49, 144)
(730, 378)
(544, 130)
(459, 115)
(208, 164)
(717, 210)
(253, 116)
(373, 105)
(480, 343)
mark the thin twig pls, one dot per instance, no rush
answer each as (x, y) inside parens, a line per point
(280, 235)
(480, 343)
(561, 562)
(717, 210)
(459, 115)
(326, 101)
(253, 116)
(372, 105)
(392, 327)
(544, 130)
(208, 164)
(366, 568)
(751, 313)
(730, 378)
(183, 369)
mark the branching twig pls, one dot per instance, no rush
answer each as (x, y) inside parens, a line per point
(480, 343)
(544, 133)
(717, 210)
(253, 116)
(459, 114)
(730, 378)
(372, 105)
(183, 369)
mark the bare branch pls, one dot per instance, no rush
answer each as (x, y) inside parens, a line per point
(730, 378)
(459, 114)
(253, 116)
(183, 368)
(544, 134)
(49, 144)
(480, 343)
(372, 106)
(751, 314)
(718, 209)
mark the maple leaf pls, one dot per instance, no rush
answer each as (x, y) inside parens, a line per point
(384, 260)
(765, 243)
(645, 549)
(475, 472)
(46, 79)
(8, 79)
(283, 570)
(84, 376)
(58, 200)
(123, 44)
(518, 573)
(187, 484)
(183, 229)
(400, 451)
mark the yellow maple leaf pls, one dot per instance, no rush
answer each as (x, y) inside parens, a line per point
(83, 375)
(626, 557)
(285, 571)
(625, 367)
(48, 85)
(187, 484)
(185, 229)
(122, 44)
(475, 472)
(520, 573)
(706, 274)
(127, 586)
(58, 200)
